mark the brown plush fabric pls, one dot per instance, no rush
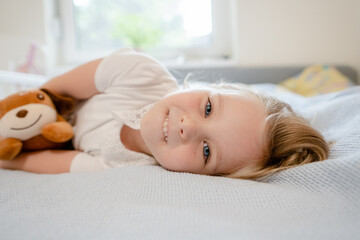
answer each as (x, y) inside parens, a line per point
(53, 135)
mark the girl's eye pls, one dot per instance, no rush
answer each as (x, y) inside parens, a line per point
(206, 150)
(208, 108)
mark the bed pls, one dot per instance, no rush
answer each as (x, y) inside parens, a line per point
(316, 201)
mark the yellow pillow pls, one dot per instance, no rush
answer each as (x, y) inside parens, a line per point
(317, 79)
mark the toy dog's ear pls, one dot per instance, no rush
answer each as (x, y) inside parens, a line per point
(62, 104)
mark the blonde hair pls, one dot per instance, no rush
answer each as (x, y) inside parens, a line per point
(290, 141)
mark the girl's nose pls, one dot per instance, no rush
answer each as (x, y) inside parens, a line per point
(188, 128)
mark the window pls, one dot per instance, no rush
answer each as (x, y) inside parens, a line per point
(166, 29)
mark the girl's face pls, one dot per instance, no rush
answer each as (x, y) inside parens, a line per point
(205, 132)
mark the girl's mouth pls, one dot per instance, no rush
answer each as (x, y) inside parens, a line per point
(166, 128)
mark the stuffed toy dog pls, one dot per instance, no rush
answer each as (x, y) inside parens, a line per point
(31, 120)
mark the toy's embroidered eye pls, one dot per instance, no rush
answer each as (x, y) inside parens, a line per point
(40, 96)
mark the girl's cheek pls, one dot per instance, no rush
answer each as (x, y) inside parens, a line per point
(184, 161)
(180, 158)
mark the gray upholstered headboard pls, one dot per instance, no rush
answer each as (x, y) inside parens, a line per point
(250, 75)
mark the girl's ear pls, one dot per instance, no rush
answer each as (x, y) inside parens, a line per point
(62, 104)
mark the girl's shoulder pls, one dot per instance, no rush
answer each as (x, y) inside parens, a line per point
(127, 68)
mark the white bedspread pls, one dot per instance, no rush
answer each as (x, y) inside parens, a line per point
(315, 201)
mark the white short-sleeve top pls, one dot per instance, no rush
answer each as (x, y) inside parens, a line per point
(129, 83)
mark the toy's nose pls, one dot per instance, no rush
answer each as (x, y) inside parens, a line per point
(22, 113)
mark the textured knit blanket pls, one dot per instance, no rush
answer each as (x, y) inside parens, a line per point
(315, 201)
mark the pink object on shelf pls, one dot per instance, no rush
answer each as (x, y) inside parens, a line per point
(28, 66)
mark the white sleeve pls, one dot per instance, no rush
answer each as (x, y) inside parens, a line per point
(84, 162)
(129, 69)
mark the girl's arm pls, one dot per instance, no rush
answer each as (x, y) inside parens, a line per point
(45, 161)
(78, 83)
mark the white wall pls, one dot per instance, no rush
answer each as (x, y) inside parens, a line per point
(267, 32)
(23, 18)
(293, 32)
(20, 22)
(23, 22)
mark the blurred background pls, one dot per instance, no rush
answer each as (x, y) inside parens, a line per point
(48, 37)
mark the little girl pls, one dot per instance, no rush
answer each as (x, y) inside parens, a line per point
(134, 114)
